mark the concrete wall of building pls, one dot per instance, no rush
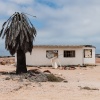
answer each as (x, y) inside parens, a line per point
(38, 56)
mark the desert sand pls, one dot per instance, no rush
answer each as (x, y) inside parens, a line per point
(81, 84)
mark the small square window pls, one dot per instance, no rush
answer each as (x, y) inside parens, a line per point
(87, 53)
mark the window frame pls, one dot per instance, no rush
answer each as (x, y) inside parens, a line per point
(52, 52)
(87, 51)
(69, 54)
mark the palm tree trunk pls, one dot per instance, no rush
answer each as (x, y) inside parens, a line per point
(21, 62)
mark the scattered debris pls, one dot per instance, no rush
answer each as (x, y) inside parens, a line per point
(7, 61)
(65, 81)
(72, 68)
(7, 78)
(47, 71)
(88, 88)
(18, 88)
(32, 76)
(3, 62)
(53, 78)
(68, 67)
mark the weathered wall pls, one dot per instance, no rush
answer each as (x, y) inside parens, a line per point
(38, 56)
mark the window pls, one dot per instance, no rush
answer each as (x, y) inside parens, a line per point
(69, 53)
(87, 53)
(51, 54)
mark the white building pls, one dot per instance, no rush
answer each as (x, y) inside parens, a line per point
(46, 55)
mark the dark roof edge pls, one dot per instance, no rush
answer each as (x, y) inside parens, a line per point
(64, 46)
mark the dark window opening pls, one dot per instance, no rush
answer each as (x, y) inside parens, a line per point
(70, 53)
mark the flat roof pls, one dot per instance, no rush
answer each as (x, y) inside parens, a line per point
(73, 46)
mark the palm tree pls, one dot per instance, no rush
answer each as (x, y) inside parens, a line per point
(19, 34)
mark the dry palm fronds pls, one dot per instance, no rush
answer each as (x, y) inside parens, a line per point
(18, 32)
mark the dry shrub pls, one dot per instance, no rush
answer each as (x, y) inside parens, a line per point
(53, 78)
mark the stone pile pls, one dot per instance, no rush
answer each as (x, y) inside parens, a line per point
(7, 61)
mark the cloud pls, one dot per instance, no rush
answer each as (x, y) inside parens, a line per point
(22, 1)
(59, 21)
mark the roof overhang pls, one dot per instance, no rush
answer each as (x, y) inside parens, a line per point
(66, 46)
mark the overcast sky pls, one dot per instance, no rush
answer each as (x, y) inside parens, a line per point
(68, 22)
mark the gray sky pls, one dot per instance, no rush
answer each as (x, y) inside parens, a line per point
(68, 22)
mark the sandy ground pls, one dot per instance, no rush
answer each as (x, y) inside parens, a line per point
(71, 90)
